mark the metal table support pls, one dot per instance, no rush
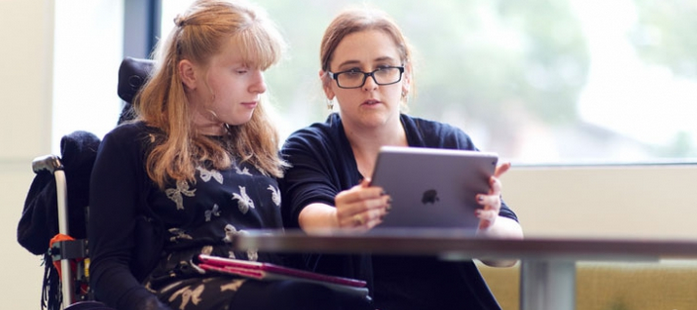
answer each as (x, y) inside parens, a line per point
(547, 285)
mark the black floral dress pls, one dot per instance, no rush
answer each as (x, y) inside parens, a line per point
(203, 216)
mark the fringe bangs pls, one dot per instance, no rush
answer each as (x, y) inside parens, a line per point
(263, 44)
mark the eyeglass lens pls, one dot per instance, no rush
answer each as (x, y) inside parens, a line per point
(381, 76)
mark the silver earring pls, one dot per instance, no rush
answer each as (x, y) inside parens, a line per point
(330, 104)
(405, 98)
(215, 115)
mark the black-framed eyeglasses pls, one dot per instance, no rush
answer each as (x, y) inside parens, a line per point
(355, 78)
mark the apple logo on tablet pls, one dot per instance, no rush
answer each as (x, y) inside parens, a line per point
(429, 196)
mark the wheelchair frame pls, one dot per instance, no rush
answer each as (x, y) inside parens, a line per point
(66, 251)
(69, 253)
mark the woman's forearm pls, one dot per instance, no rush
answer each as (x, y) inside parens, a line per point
(318, 217)
(503, 228)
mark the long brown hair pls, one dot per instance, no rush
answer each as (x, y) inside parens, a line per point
(199, 34)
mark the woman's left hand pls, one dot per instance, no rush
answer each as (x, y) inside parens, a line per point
(491, 202)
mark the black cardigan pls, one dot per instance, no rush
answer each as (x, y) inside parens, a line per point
(323, 165)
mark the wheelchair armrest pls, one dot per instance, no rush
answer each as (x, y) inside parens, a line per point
(48, 163)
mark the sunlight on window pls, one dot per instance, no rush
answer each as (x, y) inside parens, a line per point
(88, 50)
(642, 101)
(562, 81)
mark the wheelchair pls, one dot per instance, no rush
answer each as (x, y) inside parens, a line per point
(54, 218)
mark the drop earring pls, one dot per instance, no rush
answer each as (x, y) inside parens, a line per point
(330, 104)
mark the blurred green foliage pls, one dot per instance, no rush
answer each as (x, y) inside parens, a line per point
(492, 67)
(474, 58)
(665, 34)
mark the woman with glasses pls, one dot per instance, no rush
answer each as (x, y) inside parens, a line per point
(366, 65)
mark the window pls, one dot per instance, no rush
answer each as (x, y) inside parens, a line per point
(88, 50)
(537, 81)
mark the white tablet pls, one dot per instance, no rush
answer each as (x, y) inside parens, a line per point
(433, 188)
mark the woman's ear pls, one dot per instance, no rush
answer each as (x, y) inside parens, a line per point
(187, 73)
(326, 84)
(406, 79)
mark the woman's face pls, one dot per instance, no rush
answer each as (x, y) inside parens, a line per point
(370, 105)
(227, 92)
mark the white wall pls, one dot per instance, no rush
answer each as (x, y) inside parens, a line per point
(26, 33)
(658, 201)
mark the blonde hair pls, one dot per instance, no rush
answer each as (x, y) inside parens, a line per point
(199, 34)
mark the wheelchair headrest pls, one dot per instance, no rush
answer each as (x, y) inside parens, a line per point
(133, 73)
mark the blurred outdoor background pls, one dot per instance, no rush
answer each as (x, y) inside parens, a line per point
(538, 81)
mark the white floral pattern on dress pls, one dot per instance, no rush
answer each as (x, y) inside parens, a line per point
(233, 286)
(244, 171)
(230, 233)
(207, 249)
(206, 175)
(175, 194)
(188, 295)
(275, 195)
(243, 200)
(213, 212)
(179, 234)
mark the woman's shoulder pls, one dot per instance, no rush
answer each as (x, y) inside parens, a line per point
(133, 129)
(127, 134)
(429, 125)
(128, 129)
(317, 133)
(436, 134)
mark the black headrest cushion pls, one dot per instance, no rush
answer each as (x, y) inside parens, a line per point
(133, 73)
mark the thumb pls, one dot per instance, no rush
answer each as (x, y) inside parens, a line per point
(501, 169)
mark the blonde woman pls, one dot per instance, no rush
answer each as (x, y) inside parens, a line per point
(198, 167)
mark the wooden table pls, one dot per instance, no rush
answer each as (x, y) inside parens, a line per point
(548, 265)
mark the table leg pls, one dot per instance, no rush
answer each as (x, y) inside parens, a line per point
(547, 285)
